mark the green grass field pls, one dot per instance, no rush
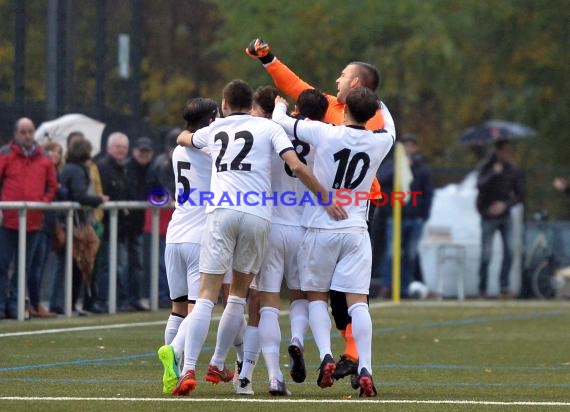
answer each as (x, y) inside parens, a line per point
(427, 356)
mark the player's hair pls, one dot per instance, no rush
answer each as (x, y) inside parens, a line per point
(199, 112)
(79, 151)
(368, 74)
(238, 95)
(312, 103)
(362, 104)
(264, 96)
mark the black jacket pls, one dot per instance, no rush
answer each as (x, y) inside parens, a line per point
(115, 185)
(74, 180)
(138, 189)
(507, 186)
(422, 183)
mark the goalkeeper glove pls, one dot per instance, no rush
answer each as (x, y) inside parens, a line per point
(260, 50)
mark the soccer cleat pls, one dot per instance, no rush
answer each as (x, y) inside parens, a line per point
(354, 381)
(298, 371)
(345, 366)
(278, 388)
(367, 388)
(171, 373)
(244, 387)
(215, 376)
(326, 372)
(186, 384)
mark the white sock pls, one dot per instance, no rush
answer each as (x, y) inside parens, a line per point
(270, 339)
(320, 323)
(238, 342)
(171, 329)
(197, 332)
(230, 324)
(362, 332)
(178, 341)
(251, 350)
(299, 315)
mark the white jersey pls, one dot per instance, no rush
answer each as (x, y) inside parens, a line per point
(289, 188)
(192, 173)
(241, 147)
(346, 160)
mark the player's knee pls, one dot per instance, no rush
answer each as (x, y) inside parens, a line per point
(339, 309)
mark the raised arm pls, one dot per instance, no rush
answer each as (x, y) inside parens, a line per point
(283, 77)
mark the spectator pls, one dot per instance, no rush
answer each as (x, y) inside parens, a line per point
(25, 175)
(414, 215)
(97, 189)
(162, 176)
(42, 265)
(560, 184)
(77, 183)
(138, 168)
(112, 169)
(54, 151)
(501, 186)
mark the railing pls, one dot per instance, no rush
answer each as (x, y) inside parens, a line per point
(113, 208)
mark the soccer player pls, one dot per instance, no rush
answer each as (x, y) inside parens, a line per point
(241, 146)
(355, 74)
(262, 106)
(336, 255)
(281, 257)
(192, 169)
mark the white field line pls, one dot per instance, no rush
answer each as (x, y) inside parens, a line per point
(127, 325)
(373, 305)
(285, 400)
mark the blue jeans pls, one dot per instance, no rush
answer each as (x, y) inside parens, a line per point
(102, 274)
(135, 270)
(488, 229)
(38, 266)
(411, 232)
(8, 251)
(163, 290)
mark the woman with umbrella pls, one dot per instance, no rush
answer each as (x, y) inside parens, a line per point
(75, 178)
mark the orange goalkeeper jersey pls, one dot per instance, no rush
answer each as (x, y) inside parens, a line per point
(292, 85)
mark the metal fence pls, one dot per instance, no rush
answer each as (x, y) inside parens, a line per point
(70, 207)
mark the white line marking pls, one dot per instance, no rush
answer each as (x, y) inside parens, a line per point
(277, 400)
(373, 305)
(126, 325)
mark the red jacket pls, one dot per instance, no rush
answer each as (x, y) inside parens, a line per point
(164, 217)
(25, 178)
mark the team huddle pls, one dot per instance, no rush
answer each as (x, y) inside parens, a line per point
(246, 249)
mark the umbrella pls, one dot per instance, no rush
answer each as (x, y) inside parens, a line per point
(495, 130)
(58, 130)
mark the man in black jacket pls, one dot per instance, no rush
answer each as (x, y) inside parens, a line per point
(138, 167)
(501, 186)
(112, 168)
(414, 215)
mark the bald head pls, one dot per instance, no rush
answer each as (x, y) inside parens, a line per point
(24, 131)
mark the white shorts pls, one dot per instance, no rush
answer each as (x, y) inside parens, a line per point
(335, 260)
(280, 259)
(182, 269)
(231, 234)
(228, 276)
